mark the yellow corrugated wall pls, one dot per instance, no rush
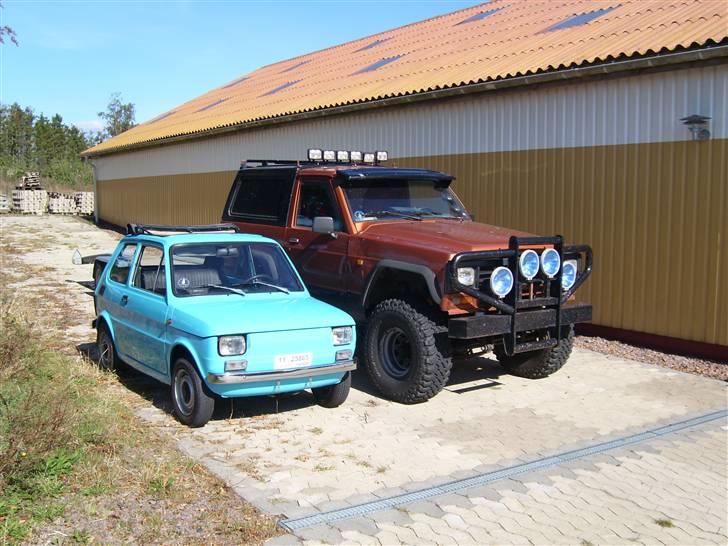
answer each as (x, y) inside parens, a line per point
(173, 199)
(655, 214)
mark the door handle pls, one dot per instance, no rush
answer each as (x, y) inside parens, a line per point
(294, 240)
(124, 300)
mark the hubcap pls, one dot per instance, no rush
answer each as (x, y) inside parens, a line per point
(105, 354)
(395, 352)
(184, 392)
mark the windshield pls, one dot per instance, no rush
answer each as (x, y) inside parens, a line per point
(393, 198)
(231, 268)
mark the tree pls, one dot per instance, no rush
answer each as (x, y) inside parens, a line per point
(119, 116)
(6, 31)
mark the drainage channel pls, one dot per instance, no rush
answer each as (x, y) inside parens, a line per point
(365, 508)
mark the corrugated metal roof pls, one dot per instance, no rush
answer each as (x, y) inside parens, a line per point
(515, 38)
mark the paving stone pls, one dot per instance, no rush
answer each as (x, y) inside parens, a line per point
(284, 540)
(425, 507)
(322, 533)
(364, 526)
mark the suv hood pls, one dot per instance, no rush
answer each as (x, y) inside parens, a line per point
(447, 236)
(206, 316)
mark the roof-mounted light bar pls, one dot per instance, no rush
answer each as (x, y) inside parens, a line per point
(318, 155)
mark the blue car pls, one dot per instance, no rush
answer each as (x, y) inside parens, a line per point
(216, 313)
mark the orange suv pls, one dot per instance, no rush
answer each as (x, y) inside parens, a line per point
(397, 249)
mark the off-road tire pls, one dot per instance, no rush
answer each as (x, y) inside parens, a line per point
(192, 402)
(108, 358)
(538, 364)
(430, 360)
(333, 395)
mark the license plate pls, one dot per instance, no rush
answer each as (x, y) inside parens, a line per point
(295, 360)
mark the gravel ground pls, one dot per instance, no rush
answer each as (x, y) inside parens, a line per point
(707, 368)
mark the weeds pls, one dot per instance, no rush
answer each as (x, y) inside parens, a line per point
(72, 452)
(665, 523)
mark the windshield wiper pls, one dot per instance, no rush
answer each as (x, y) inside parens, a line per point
(438, 214)
(227, 288)
(269, 285)
(394, 213)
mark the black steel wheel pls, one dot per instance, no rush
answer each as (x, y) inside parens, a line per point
(406, 353)
(333, 395)
(192, 402)
(108, 359)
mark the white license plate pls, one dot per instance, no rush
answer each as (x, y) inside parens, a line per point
(294, 360)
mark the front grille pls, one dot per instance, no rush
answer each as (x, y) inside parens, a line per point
(530, 290)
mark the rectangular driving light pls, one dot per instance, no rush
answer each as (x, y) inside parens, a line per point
(382, 156)
(314, 154)
(356, 157)
(329, 155)
(369, 158)
(342, 156)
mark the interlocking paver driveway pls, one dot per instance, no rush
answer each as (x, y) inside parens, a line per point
(293, 458)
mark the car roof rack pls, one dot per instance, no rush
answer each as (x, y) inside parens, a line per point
(252, 163)
(147, 229)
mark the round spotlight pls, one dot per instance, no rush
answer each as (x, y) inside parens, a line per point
(528, 264)
(550, 262)
(568, 274)
(501, 281)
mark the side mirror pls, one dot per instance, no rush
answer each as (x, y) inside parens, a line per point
(324, 224)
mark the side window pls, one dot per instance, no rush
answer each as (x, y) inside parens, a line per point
(120, 270)
(263, 197)
(316, 200)
(150, 270)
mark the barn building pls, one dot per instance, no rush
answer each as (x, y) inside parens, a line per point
(604, 121)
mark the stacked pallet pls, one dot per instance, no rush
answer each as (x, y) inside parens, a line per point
(62, 203)
(4, 203)
(85, 202)
(30, 181)
(30, 201)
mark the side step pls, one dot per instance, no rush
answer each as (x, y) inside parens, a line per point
(535, 345)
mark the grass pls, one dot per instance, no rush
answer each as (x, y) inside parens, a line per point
(665, 523)
(73, 454)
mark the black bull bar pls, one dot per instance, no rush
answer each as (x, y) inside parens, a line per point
(549, 312)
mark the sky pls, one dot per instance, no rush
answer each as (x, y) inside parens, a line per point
(158, 54)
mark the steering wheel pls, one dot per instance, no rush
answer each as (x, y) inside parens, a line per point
(256, 277)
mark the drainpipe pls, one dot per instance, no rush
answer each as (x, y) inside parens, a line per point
(96, 192)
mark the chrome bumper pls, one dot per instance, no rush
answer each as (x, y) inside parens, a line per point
(309, 373)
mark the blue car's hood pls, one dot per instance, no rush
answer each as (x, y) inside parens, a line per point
(206, 316)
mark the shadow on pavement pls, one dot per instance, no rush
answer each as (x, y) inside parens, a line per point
(470, 370)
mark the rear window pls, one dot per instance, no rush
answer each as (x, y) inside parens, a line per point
(263, 197)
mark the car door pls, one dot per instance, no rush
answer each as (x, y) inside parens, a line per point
(147, 309)
(319, 257)
(259, 201)
(115, 295)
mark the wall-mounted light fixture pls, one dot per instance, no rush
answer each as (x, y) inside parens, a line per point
(697, 125)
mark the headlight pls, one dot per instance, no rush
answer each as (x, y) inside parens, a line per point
(568, 274)
(466, 276)
(528, 264)
(231, 345)
(342, 335)
(550, 262)
(501, 281)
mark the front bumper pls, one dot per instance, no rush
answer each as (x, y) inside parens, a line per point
(483, 325)
(521, 310)
(261, 377)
